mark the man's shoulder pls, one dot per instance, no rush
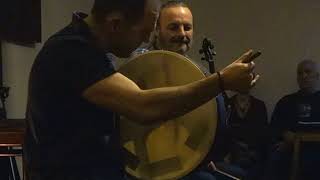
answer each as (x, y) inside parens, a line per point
(77, 32)
(67, 36)
(290, 96)
(65, 50)
(140, 51)
(288, 99)
(299, 94)
(143, 49)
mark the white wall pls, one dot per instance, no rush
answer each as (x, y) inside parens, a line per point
(17, 60)
(285, 30)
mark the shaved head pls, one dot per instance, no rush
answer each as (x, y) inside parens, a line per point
(308, 75)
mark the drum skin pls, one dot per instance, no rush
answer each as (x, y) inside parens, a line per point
(173, 148)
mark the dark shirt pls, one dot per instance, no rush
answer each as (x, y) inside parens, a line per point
(65, 132)
(252, 128)
(297, 112)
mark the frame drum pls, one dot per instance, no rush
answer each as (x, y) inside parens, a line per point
(173, 148)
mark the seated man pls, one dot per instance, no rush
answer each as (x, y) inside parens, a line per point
(75, 93)
(247, 132)
(174, 32)
(299, 111)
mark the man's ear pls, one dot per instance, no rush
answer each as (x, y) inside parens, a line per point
(114, 20)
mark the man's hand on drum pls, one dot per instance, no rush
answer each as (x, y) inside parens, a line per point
(239, 75)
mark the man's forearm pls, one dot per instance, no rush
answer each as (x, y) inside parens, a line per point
(170, 102)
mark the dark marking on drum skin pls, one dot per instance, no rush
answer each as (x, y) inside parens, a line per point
(140, 144)
(165, 166)
(130, 159)
(195, 137)
(144, 160)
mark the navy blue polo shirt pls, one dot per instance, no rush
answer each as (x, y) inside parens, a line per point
(65, 133)
(297, 112)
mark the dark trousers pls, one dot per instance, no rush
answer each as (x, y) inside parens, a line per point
(4, 168)
(279, 163)
(85, 174)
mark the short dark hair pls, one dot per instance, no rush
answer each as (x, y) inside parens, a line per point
(132, 9)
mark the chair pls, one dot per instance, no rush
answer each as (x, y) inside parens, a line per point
(301, 137)
(222, 172)
(11, 139)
